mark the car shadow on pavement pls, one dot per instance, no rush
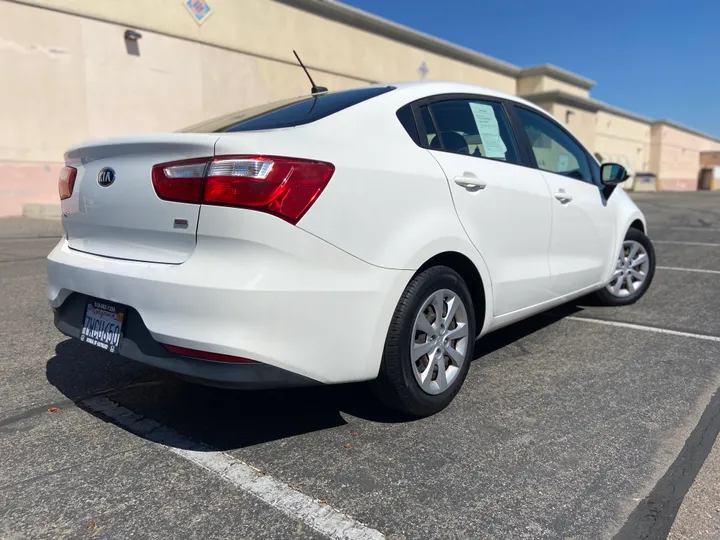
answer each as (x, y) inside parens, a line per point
(225, 419)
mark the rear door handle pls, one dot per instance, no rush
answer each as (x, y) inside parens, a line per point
(470, 182)
(563, 197)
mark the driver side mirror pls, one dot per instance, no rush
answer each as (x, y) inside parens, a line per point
(613, 174)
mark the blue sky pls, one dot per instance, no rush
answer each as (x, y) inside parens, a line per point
(659, 58)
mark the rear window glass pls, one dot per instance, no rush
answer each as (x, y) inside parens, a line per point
(288, 113)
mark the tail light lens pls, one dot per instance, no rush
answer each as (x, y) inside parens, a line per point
(66, 182)
(285, 187)
(181, 181)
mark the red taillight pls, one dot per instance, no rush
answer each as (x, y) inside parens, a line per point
(205, 355)
(286, 187)
(282, 186)
(66, 182)
(180, 181)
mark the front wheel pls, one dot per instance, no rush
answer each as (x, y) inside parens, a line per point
(429, 344)
(634, 271)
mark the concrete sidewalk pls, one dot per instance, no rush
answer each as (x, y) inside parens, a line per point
(699, 515)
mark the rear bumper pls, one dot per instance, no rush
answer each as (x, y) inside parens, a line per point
(138, 344)
(280, 296)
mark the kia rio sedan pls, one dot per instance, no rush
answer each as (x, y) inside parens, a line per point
(363, 235)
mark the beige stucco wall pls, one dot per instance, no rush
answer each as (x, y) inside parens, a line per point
(623, 140)
(676, 156)
(67, 75)
(276, 29)
(67, 79)
(77, 70)
(536, 84)
(580, 122)
(530, 85)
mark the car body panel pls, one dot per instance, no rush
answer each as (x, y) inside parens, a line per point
(583, 234)
(127, 220)
(509, 222)
(264, 290)
(317, 298)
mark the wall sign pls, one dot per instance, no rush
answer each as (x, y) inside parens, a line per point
(199, 9)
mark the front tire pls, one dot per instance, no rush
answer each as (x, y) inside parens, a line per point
(634, 271)
(429, 344)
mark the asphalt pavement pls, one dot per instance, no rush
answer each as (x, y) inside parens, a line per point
(584, 422)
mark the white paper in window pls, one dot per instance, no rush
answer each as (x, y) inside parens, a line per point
(563, 163)
(489, 130)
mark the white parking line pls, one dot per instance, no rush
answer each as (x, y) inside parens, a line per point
(677, 268)
(697, 229)
(317, 515)
(645, 328)
(685, 243)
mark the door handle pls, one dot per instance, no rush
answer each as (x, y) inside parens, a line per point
(563, 197)
(470, 182)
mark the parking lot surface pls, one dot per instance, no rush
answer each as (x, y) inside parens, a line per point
(584, 422)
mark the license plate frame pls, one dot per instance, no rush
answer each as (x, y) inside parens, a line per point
(103, 324)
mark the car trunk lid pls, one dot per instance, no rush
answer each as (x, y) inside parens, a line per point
(114, 210)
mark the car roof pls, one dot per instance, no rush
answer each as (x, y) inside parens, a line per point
(406, 92)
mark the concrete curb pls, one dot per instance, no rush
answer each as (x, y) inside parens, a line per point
(41, 211)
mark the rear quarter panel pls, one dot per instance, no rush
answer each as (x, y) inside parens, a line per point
(388, 202)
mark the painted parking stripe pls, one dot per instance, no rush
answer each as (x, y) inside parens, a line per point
(645, 328)
(708, 244)
(697, 229)
(317, 515)
(678, 269)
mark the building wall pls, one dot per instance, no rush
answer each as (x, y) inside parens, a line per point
(536, 84)
(276, 29)
(676, 155)
(71, 77)
(623, 140)
(709, 159)
(580, 122)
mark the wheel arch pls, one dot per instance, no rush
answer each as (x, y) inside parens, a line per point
(638, 224)
(470, 273)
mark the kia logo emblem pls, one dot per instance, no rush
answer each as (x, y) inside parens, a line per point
(106, 176)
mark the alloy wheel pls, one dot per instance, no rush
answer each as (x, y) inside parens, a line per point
(439, 341)
(631, 269)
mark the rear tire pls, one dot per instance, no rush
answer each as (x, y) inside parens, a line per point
(635, 269)
(419, 384)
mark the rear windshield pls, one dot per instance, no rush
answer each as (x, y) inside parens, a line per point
(288, 113)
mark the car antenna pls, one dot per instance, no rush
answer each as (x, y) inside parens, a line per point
(315, 89)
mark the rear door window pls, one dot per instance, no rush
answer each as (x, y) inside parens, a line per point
(474, 127)
(288, 113)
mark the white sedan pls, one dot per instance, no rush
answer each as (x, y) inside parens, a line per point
(369, 234)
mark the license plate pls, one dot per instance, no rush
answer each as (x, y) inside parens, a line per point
(103, 324)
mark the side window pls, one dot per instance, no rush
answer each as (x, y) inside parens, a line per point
(554, 150)
(432, 139)
(473, 127)
(405, 115)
